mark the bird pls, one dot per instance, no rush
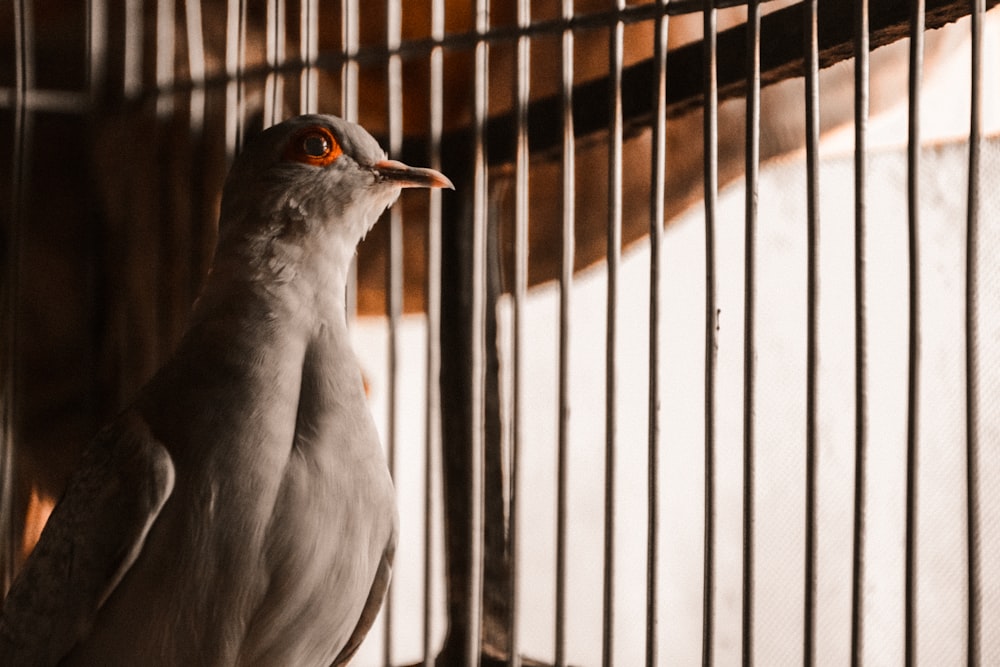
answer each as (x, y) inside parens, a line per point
(239, 511)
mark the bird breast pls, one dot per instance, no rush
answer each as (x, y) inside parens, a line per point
(268, 546)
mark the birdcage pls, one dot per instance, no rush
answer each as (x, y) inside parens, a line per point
(699, 362)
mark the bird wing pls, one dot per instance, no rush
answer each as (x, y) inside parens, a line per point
(93, 536)
(372, 605)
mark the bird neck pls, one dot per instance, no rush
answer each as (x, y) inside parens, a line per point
(303, 266)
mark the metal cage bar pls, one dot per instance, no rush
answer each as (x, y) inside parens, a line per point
(972, 385)
(751, 185)
(432, 411)
(236, 37)
(274, 88)
(24, 60)
(711, 178)
(97, 48)
(394, 270)
(811, 48)
(916, 53)
(194, 29)
(568, 223)
(522, 93)
(350, 73)
(165, 49)
(132, 72)
(615, 129)
(656, 224)
(861, 85)
(308, 52)
(480, 222)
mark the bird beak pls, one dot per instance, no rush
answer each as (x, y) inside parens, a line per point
(411, 177)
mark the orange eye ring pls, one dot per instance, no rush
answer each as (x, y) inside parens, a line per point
(315, 146)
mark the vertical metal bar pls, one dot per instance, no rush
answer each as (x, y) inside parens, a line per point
(308, 51)
(913, 370)
(479, 221)
(565, 308)
(165, 48)
(236, 37)
(232, 83)
(711, 166)
(241, 65)
(194, 44)
(752, 170)
(132, 67)
(812, 319)
(394, 266)
(656, 222)
(974, 595)
(24, 66)
(196, 62)
(349, 70)
(97, 47)
(432, 414)
(8, 355)
(349, 74)
(275, 50)
(615, 139)
(522, 94)
(271, 58)
(280, 31)
(861, 86)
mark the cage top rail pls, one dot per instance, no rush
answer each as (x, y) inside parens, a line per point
(780, 59)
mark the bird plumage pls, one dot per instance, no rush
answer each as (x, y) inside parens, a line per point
(240, 510)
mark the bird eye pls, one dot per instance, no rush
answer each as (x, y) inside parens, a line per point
(315, 146)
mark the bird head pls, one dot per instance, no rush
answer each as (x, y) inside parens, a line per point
(313, 177)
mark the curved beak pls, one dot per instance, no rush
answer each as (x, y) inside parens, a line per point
(411, 177)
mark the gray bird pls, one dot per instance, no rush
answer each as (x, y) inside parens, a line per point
(239, 511)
